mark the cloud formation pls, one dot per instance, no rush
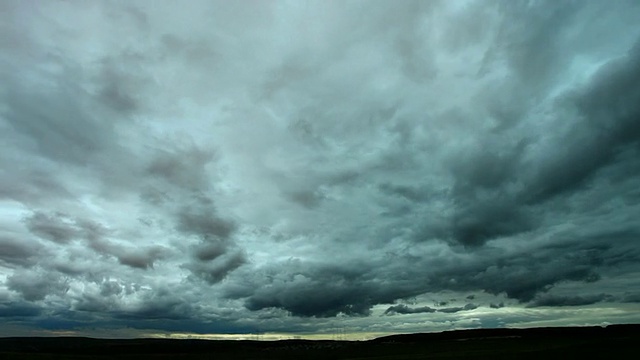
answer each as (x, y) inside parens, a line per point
(305, 166)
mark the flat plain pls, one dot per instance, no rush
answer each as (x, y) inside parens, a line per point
(611, 342)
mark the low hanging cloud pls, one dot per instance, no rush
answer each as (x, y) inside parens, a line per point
(570, 300)
(404, 309)
(247, 167)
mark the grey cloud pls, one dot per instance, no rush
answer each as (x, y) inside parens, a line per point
(354, 289)
(60, 127)
(35, 285)
(203, 220)
(90, 303)
(374, 154)
(32, 186)
(451, 310)
(18, 310)
(307, 199)
(631, 297)
(165, 310)
(519, 277)
(155, 196)
(408, 192)
(17, 251)
(91, 230)
(489, 168)
(312, 299)
(535, 51)
(321, 290)
(109, 288)
(476, 223)
(140, 258)
(195, 52)
(118, 89)
(62, 228)
(114, 96)
(609, 105)
(592, 144)
(196, 214)
(55, 227)
(589, 146)
(184, 168)
(210, 251)
(163, 304)
(214, 270)
(404, 309)
(556, 300)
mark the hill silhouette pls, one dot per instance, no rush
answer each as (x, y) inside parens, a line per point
(611, 342)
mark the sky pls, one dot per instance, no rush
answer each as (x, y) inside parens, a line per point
(336, 169)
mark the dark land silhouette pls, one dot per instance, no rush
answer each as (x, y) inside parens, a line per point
(611, 342)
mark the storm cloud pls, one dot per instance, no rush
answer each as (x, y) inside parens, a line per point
(306, 167)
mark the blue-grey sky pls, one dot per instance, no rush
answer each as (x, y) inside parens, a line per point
(317, 167)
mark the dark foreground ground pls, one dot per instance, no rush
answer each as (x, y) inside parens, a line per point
(612, 342)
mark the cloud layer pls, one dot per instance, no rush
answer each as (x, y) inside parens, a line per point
(303, 167)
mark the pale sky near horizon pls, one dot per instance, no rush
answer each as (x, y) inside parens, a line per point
(317, 167)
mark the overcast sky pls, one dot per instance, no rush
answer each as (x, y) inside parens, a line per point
(317, 167)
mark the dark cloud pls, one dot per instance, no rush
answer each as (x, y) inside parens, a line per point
(18, 310)
(451, 310)
(631, 297)
(61, 228)
(607, 108)
(109, 288)
(321, 290)
(477, 223)
(214, 270)
(91, 230)
(404, 309)
(35, 285)
(141, 258)
(487, 167)
(312, 299)
(17, 251)
(610, 110)
(32, 186)
(307, 199)
(210, 251)
(162, 305)
(203, 220)
(521, 276)
(184, 168)
(61, 127)
(219, 167)
(117, 90)
(535, 50)
(408, 192)
(497, 306)
(551, 300)
(55, 227)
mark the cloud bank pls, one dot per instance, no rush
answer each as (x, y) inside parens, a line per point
(306, 167)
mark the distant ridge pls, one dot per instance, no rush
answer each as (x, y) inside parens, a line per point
(610, 342)
(530, 333)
